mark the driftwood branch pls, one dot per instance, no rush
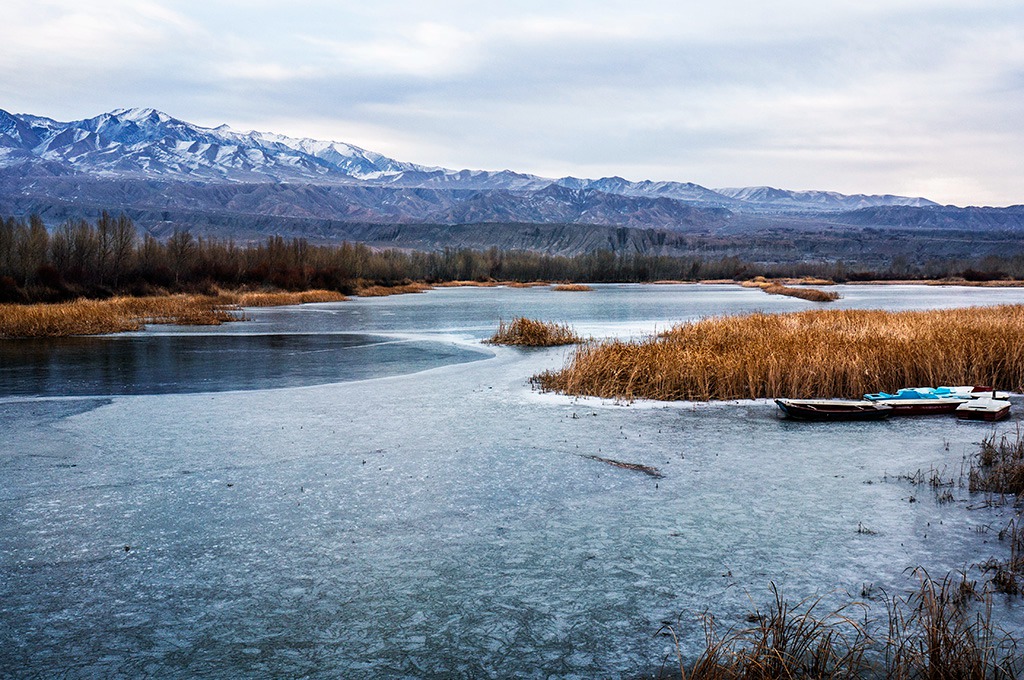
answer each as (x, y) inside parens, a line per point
(646, 469)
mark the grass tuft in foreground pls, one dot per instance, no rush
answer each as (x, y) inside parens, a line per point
(934, 633)
(531, 333)
(945, 630)
(822, 353)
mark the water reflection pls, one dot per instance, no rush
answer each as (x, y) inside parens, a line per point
(163, 364)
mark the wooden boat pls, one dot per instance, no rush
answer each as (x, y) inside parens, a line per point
(923, 407)
(983, 409)
(832, 409)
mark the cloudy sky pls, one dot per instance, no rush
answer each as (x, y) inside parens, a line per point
(916, 97)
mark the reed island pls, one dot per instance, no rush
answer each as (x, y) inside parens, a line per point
(817, 353)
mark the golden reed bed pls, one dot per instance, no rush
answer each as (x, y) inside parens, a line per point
(120, 314)
(532, 333)
(803, 292)
(383, 291)
(827, 353)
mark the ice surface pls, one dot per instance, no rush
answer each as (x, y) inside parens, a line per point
(441, 521)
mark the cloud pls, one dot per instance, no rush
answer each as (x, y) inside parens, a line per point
(67, 33)
(424, 49)
(853, 96)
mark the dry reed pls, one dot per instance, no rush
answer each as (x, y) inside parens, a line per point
(532, 333)
(934, 633)
(938, 633)
(383, 291)
(121, 314)
(776, 288)
(784, 642)
(279, 299)
(823, 353)
(999, 469)
(572, 287)
(812, 294)
(467, 284)
(999, 466)
(114, 315)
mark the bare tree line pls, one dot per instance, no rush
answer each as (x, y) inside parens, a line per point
(108, 257)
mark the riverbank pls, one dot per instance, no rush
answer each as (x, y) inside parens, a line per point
(117, 314)
(834, 353)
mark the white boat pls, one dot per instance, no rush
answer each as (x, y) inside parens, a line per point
(983, 409)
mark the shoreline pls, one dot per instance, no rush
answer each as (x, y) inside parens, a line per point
(120, 314)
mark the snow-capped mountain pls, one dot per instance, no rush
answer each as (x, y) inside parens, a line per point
(143, 143)
(148, 143)
(784, 199)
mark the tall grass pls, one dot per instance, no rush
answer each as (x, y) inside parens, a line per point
(278, 299)
(462, 283)
(943, 630)
(572, 287)
(787, 641)
(822, 353)
(532, 333)
(804, 293)
(402, 289)
(999, 469)
(812, 294)
(999, 466)
(120, 314)
(113, 315)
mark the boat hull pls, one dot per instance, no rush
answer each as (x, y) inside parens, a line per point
(922, 407)
(825, 410)
(988, 410)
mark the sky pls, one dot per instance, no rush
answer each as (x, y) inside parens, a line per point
(910, 97)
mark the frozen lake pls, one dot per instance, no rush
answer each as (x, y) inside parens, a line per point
(363, 489)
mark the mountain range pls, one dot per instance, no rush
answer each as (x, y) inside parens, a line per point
(167, 173)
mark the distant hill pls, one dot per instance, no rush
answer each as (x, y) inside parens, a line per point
(171, 173)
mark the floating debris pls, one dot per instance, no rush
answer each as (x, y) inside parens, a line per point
(646, 469)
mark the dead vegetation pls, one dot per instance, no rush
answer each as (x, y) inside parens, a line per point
(999, 469)
(934, 633)
(572, 287)
(822, 353)
(113, 315)
(281, 298)
(525, 332)
(121, 314)
(383, 291)
(804, 293)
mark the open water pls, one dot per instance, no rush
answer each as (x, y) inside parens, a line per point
(364, 489)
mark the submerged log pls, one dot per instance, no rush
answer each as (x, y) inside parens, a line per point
(637, 467)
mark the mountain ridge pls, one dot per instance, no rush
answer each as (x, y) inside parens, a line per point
(145, 142)
(169, 173)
